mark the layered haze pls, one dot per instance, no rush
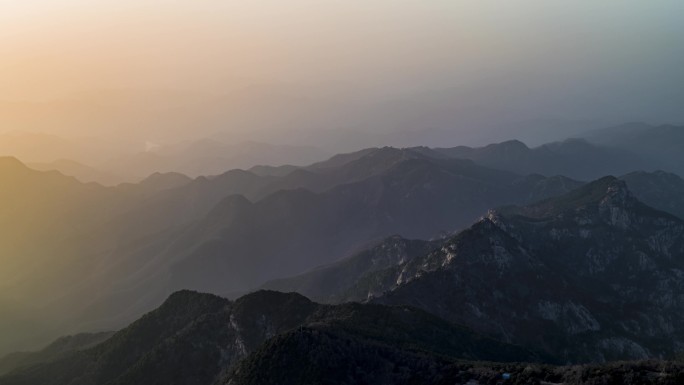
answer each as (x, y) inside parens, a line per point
(388, 152)
(334, 74)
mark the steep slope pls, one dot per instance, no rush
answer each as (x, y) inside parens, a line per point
(198, 338)
(77, 252)
(593, 275)
(329, 283)
(241, 244)
(336, 282)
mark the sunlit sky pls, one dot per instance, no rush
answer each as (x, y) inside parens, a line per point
(57, 47)
(604, 61)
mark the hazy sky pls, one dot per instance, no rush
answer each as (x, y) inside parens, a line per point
(162, 70)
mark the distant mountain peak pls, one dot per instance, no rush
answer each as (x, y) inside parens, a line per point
(656, 173)
(187, 296)
(493, 217)
(606, 190)
(513, 146)
(514, 143)
(562, 264)
(607, 200)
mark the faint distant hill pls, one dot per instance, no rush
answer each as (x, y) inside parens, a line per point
(41, 148)
(79, 171)
(662, 146)
(574, 158)
(280, 171)
(110, 162)
(212, 157)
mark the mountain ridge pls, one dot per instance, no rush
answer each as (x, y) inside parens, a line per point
(195, 338)
(547, 274)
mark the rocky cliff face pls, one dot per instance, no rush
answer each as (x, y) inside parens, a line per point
(594, 275)
(330, 284)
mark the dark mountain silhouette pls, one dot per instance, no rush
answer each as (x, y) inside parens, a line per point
(270, 337)
(339, 281)
(592, 275)
(199, 338)
(338, 361)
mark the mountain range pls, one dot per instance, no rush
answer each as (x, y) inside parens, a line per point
(610, 151)
(110, 162)
(130, 246)
(198, 338)
(593, 275)
(275, 338)
(230, 232)
(328, 283)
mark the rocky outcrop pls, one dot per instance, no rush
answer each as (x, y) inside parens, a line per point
(594, 275)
